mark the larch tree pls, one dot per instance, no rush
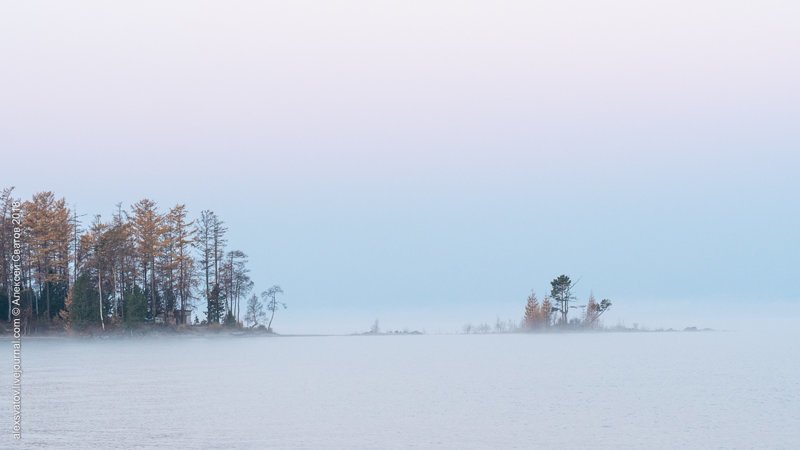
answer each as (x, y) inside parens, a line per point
(47, 222)
(147, 228)
(532, 311)
(183, 235)
(590, 314)
(58, 277)
(37, 233)
(132, 268)
(546, 311)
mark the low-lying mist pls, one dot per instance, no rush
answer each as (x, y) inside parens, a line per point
(557, 390)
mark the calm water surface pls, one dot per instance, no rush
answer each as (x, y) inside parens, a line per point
(634, 390)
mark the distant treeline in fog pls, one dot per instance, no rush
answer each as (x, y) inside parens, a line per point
(141, 266)
(554, 308)
(552, 313)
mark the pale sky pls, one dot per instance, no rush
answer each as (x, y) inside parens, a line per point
(428, 163)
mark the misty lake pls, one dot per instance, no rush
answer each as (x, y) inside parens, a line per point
(603, 390)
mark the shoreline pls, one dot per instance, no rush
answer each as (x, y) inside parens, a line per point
(206, 333)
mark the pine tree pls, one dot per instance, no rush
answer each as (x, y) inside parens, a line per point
(135, 306)
(215, 305)
(83, 308)
(562, 294)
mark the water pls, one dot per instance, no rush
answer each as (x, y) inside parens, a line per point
(609, 390)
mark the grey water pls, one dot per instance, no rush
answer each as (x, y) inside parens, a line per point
(593, 390)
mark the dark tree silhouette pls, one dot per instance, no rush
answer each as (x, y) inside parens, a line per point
(561, 293)
(270, 296)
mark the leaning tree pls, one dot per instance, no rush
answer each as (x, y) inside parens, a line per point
(270, 296)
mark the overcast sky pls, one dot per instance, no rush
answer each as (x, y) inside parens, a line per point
(428, 163)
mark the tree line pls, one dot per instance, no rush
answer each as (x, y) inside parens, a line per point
(553, 311)
(141, 266)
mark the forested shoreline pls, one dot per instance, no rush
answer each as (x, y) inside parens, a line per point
(142, 266)
(149, 269)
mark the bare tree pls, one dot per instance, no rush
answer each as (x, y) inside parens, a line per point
(254, 312)
(211, 243)
(6, 228)
(270, 296)
(236, 281)
(499, 326)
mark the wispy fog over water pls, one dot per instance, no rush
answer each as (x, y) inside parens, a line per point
(606, 390)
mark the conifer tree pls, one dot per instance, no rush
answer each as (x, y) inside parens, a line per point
(96, 266)
(590, 315)
(147, 227)
(58, 273)
(546, 311)
(134, 267)
(562, 294)
(47, 226)
(532, 311)
(182, 238)
(120, 252)
(82, 309)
